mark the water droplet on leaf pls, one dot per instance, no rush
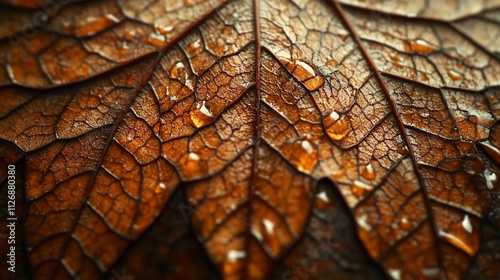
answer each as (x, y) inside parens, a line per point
(302, 154)
(160, 188)
(163, 29)
(129, 35)
(424, 77)
(269, 225)
(201, 114)
(491, 150)
(176, 70)
(419, 46)
(337, 126)
(191, 165)
(490, 178)
(456, 241)
(405, 224)
(194, 156)
(454, 75)
(395, 274)
(359, 188)
(368, 173)
(402, 150)
(323, 196)
(466, 224)
(362, 223)
(194, 47)
(156, 39)
(235, 255)
(123, 49)
(91, 25)
(305, 74)
(307, 146)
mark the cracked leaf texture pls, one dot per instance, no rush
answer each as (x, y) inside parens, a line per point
(252, 139)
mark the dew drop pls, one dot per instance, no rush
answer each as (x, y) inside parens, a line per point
(194, 47)
(337, 126)
(368, 173)
(334, 116)
(419, 46)
(201, 114)
(163, 29)
(490, 179)
(456, 241)
(189, 84)
(307, 146)
(362, 222)
(257, 234)
(480, 117)
(205, 111)
(303, 70)
(191, 165)
(395, 273)
(322, 201)
(268, 225)
(323, 196)
(160, 188)
(338, 173)
(405, 224)
(176, 70)
(129, 35)
(92, 25)
(305, 74)
(302, 155)
(424, 77)
(424, 113)
(112, 18)
(123, 49)
(331, 62)
(466, 224)
(491, 150)
(359, 188)
(454, 75)
(194, 156)
(402, 150)
(156, 39)
(234, 255)
(314, 83)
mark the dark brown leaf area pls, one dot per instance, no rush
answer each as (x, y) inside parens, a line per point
(251, 139)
